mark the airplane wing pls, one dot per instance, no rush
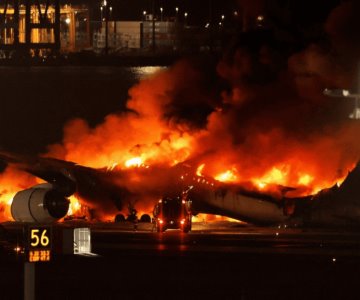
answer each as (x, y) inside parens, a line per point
(54, 171)
(99, 188)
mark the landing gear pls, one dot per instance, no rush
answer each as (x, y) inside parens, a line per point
(145, 218)
(119, 218)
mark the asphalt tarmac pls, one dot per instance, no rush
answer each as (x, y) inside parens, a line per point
(214, 261)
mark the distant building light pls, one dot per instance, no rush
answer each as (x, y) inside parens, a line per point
(105, 3)
(161, 9)
(185, 14)
(67, 20)
(220, 24)
(207, 25)
(144, 12)
(345, 93)
(236, 13)
(222, 17)
(177, 9)
(260, 18)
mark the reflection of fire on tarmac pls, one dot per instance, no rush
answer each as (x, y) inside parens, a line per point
(204, 218)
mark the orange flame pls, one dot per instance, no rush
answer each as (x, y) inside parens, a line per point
(199, 170)
(74, 206)
(227, 176)
(134, 162)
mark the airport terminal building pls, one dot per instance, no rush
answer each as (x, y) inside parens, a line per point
(43, 27)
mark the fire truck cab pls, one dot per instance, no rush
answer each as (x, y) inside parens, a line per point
(173, 213)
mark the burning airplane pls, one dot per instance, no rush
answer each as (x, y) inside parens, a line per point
(107, 190)
(257, 165)
(252, 139)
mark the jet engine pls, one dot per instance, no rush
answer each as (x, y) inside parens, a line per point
(41, 203)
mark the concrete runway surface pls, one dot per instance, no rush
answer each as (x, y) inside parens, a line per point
(221, 260)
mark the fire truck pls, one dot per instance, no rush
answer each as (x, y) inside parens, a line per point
(173, 213)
